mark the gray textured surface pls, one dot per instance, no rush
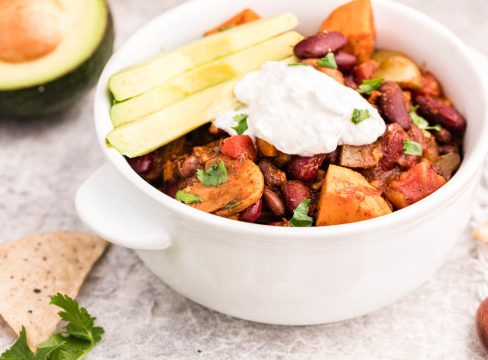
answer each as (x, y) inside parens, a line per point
(43, 162)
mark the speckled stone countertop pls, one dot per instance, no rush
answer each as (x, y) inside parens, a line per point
(43, 162)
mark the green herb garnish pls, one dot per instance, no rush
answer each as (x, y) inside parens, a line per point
(187, 198)
(215, 175)
(328, 61)
(297, 64)
(368, 86)
(241, 120)
(412, 148)
(420, 121)
(359, 116)
(300, 215)
(75, 341)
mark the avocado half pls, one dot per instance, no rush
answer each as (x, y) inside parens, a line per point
(51, 52)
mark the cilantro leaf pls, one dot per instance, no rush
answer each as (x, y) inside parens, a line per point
(215, 175)
(328, 61)
(300, 215)
(187, 198)
(421, 122)
(241, 120)
(367, 86)
(80, 322)
(21, 351)
(78, 337)
(412, 148)
(359, 116)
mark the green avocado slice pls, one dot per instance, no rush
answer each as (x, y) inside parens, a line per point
(53, 82)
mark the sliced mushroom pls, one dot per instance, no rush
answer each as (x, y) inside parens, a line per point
(243, 188)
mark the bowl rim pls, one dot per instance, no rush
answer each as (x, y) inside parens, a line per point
(396, 220)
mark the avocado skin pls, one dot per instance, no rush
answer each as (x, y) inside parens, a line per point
(59, 95)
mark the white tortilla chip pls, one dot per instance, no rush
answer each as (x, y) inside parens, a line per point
(38, 266)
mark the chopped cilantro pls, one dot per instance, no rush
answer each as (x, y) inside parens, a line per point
(359, 116)
(412, 148)
(215, 175)
(368, 86)
(300, 215)
(241, 120)
(328, 61)
(420, 121)
(187, 198)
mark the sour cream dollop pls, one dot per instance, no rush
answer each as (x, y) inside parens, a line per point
(301, 111)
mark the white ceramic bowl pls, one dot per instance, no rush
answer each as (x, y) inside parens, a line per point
(290, 275)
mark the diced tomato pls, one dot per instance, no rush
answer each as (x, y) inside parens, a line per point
(413, 185)
(239, 147)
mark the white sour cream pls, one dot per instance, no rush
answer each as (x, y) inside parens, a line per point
(301, 111)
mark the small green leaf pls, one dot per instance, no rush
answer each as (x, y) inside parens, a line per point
(359, 116)
(300, 215)
(187, 198)
(421, 122)
(297, 64)
(412, 148)
(241, 120)
(328, 61)
(368, 86)
(215, 175)
(20, 350)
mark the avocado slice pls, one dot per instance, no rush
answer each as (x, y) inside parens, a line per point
(45, 69)
(204, 76)
(153, 131)
(139, 79)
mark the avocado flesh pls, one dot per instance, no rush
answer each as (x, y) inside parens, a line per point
(85, 23)
(203, 77)
(153, 131)
(137, 80)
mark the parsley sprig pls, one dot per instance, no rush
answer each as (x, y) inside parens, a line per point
(215, 175)
(300, 215)
(241, 120)
(74, 342)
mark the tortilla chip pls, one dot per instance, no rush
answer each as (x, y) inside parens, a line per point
(36, 267)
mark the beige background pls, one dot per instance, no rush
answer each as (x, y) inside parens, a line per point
(43, 162)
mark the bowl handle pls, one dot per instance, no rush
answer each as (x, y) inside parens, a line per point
(106, 204)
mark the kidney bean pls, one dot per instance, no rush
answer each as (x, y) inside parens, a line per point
(274, 202)
(392, 105)
(447, 149)
(239, 147)
(188, 167)
(365, 71)
(438, 111)
(171, 189)
(319, 45)
(305, 168)
(142, 164)
(392, 146)
(349, 82)
(294, 193)
(443, 136)
(252, 213)
(273, 176)
(345, 61)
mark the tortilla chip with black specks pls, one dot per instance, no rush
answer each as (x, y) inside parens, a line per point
(38, 266)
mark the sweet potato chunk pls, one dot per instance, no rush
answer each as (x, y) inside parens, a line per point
(413, 185)
(355, 20)
(243, 188)
(346, 197)
(266, 149)
(245, 16)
